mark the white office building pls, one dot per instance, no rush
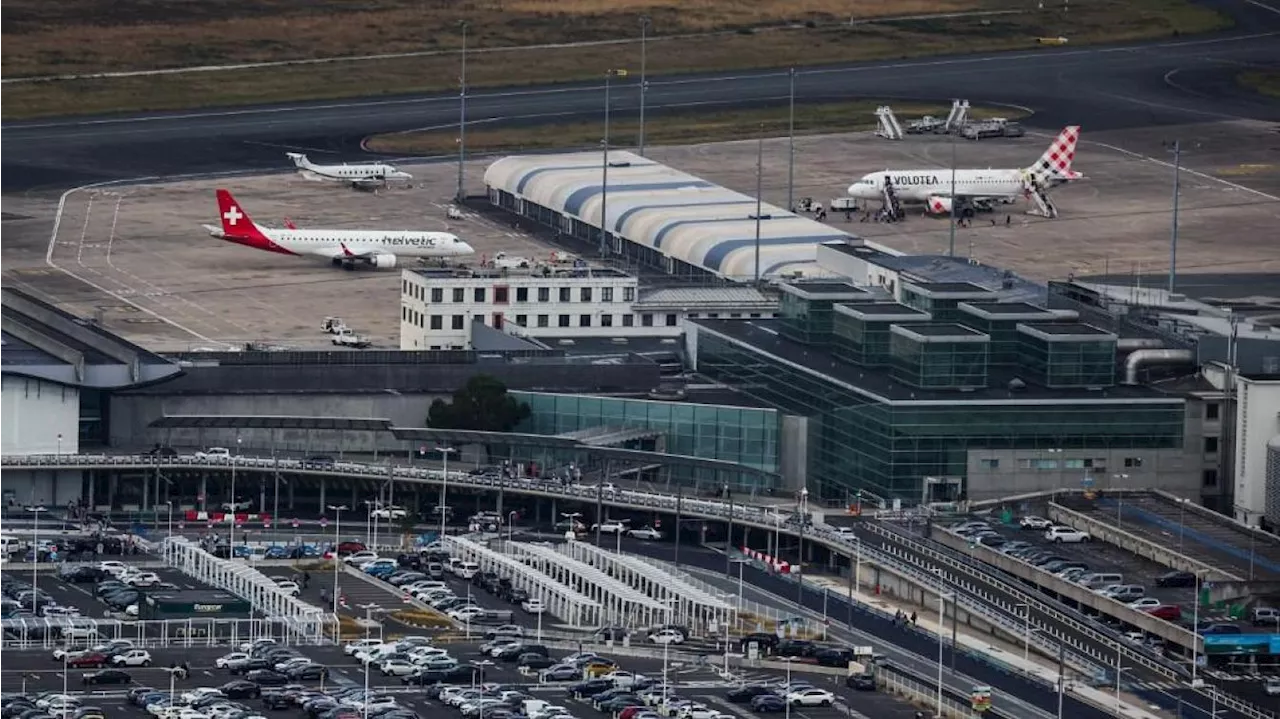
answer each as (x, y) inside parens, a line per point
(439, 307)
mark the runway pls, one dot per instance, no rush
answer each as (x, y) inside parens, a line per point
(1103, 88)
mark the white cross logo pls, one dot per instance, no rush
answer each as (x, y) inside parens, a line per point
(233, 215)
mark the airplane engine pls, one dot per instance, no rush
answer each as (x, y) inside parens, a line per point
(383, 261)
(939, 205)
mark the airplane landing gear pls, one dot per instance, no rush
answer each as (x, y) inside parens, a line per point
(336, 261)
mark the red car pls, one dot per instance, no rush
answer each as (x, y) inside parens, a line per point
(350, 547)
(88, 659)
(1170, 612)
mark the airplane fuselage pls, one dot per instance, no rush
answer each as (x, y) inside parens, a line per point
(340, 243)
(920, 185)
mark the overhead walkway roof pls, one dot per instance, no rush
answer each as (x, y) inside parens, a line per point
(624, 606)
(671, 212)
(562, 601)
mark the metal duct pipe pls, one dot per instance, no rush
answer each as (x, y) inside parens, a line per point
(1129, 344)
(1136, 360)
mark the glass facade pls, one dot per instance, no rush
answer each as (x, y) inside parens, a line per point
(857, 441)
(744, 435)
(938, 362)
(860, 333)
(806, 309)
(942, 299)
(1069, 362)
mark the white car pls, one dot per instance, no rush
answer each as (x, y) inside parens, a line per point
(291, 588)
(113, 567)
(1034, 523)
(397, 668)
(143, 579)
(624, 680)
(463, 614)
(1065, 534)
(610, 527)
(667, 636)
(1145, 604)
(534, 606)
(361, 557)
(646, 533)
(1272, 687)
(357, 646)
(264, 642)
(56, 700)
(132, 658)
(214, 453)
(284, 666)
(195, 695)
(78, 632)
(222, 661)
(811, 698)
(389, 513)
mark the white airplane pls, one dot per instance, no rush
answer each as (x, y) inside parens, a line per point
(363, 176)
(344, 248)
(935, 190)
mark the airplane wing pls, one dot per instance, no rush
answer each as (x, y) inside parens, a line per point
(367, 183)
(214, 231)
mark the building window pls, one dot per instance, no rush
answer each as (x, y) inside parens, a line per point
(458, 322)
(404, 313)
(755, 315)
(544, 294)
(1209, 478)
(564, 320)
(735, 315)
(479, 295)
(672, 320)
(1132, 462)
(990, 463)
(437, 295)
(1210, 445)
(628, 294)
(459, 294)
(606, 320)
(1024, 464)
(522, 320)
(1073, 464)
(1045, 464)
(564, 294)
(628, 320)
(646, 320)
(586, 294)
(437, 322)
(606, 294)
(584, 320)
(544, 320)
(501, 295)
(1211, 410)
(522, 294)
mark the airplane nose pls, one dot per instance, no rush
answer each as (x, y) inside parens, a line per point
(463, 248)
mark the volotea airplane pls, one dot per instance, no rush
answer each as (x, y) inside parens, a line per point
(363, 176)
(344, 248)
(934, 187)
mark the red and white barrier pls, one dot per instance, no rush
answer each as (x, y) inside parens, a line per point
(776, 564)
(223, 517)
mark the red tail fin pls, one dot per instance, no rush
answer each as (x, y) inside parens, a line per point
(235, 222)
(289, 224)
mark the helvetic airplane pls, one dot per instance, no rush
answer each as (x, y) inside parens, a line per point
(934, 187)
(345, 248)
(361, 176)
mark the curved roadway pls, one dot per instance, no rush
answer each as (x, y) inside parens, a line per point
(1171, 82)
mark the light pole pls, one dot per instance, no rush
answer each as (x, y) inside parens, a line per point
(666, 649)
(169, 506)
(1173, 239)
(59, 455)
(35, 554)
(1195, 627)
(337, 510)
(644, 83)
(1119, 497)
(791, 142)
(462, 114)
(368, 622)
(1026, 632)
(786, 704)
(444, 483)
(740, 561)
(951, 241)
(231, 532)
(759, 193)
(511, 520)
(942, 614)
(541, 603)
(479, 665)
(604, 165)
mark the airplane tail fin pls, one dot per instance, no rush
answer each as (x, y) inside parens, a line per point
(289, 224)
(299, 160)
(235, 221)
(1054, 166)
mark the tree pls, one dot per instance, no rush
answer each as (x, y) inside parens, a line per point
(482, 405)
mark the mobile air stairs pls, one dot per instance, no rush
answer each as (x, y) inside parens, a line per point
(1037, 193)
(887, 125)
(958, 118)
(892, 207)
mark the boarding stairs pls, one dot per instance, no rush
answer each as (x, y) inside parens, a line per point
(958, 117)
(892, 207)
(1044, 207)
(887, 125)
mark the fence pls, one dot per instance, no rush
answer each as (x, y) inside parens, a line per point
(71, 632)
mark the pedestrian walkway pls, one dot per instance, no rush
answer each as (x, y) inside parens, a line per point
(997, 649)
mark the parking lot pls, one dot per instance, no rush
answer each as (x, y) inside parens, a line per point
(688, 676)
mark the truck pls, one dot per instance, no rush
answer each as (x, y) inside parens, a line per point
(928, 123)
(347, 338)
(334, 325)
(503, 261)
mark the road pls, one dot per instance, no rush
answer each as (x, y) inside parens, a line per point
(1171, 82)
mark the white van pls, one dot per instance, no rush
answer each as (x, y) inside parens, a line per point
(1099, 580)
(467, 570)
(11, 545)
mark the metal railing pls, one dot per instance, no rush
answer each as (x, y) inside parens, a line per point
(31, 633)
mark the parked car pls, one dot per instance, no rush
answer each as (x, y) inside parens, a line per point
(1033, 522)
(1168, 612)
(1065, 534)
(1265, 617)
(108, 676)
(214, 453)
(1176, 579)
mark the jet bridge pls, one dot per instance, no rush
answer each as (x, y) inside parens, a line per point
(561, 601)
(691, 606)
(623, 606)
